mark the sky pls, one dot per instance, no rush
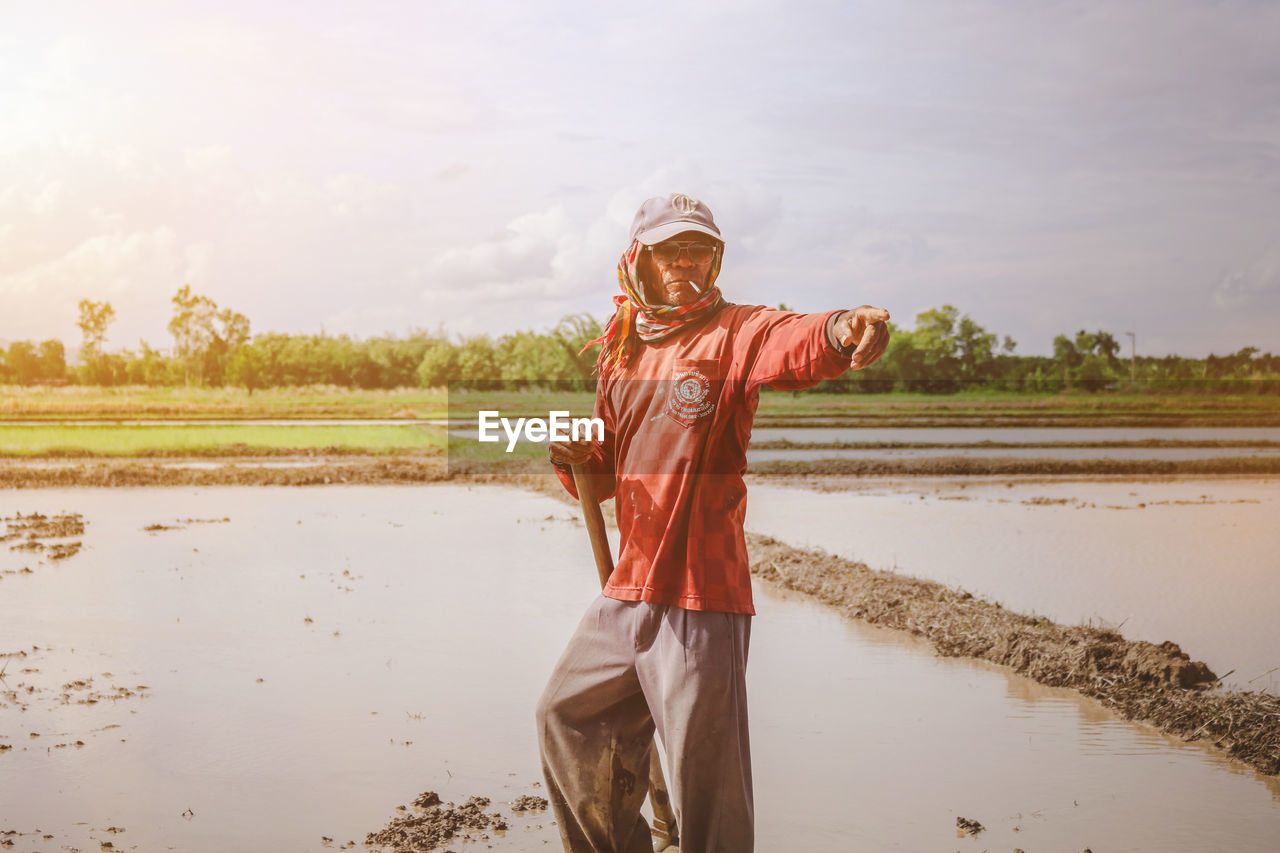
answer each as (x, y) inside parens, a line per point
(474, 166)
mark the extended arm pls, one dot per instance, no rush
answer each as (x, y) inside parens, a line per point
(788, 351)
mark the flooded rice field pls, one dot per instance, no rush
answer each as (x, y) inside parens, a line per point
(1193, 561)
(271, 669)
(1028, 435)
(800, 452)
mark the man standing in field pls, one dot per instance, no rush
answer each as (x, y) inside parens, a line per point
(665, 646)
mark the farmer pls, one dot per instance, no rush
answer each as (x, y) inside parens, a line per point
(665, 646)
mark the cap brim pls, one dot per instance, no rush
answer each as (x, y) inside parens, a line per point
(671, 229)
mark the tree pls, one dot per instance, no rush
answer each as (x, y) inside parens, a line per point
(1085, 342)
(1105, 345)
(953, 349)
(478, 362)
(24, 364)
(1067, 356)
(95, 317)
(976, 348)
(573, 333)
(439, 365)
(204, 337)
(51, 361)
(1089, 360)
(248, 368)
(149, 367)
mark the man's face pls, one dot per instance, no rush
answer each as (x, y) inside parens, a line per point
(680, 268)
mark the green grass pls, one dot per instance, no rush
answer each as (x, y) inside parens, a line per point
(129, 440)
(75, 402)
(986, 402)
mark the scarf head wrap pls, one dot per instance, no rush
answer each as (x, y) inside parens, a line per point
(636, 321)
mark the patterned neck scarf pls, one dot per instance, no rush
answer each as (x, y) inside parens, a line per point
(635, 321)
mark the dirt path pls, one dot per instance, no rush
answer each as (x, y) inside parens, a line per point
(374, 470)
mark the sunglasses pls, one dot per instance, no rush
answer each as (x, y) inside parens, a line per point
(669, 251)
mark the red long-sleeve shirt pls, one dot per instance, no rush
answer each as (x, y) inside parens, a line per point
(677, 422)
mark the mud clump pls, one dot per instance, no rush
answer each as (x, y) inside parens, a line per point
(528, 803)
(435, 823)
(63, 550)
(1158, 684)
(32, 530)
(37, 526)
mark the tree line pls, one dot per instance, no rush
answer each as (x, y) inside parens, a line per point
(946, 351)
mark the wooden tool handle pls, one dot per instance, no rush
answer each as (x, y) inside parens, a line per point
(595, 522)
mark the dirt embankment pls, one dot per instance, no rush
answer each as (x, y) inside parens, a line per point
(1157, 684)
(975, 420)
(319, 471)
(1138, 444)
(234, 450)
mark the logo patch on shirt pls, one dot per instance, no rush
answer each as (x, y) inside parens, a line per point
(689, 397)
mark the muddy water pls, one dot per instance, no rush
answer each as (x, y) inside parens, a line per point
(1190, 561)
(1163, 453)
(954, 435)
(325, 655)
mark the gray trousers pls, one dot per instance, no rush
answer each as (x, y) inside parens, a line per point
(629, 667)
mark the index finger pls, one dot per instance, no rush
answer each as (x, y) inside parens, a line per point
(868, 341)
(871, 315)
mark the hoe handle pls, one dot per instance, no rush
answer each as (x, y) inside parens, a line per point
(595, 522)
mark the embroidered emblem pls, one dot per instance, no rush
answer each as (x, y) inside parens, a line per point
(690, 396)
(683, 204)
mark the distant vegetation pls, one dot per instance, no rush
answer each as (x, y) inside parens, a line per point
(945, 352)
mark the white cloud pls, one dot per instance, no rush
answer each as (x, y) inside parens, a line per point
(206, 158)
(45, 202)
(127, 269)
(1041, 166)
(1251, 286)
(528, 250)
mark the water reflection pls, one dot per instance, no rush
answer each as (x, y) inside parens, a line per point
(1162, 453)
(1191, 561)
(327, 654)
(972, 435)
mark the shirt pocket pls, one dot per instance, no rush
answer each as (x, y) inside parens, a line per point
(692, 391)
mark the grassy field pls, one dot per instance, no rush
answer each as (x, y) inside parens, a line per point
(56, 440)
(969, 408)
(88, 403)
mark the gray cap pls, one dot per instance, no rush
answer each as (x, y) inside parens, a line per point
(663, 217)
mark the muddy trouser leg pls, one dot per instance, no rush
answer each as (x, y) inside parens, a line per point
(595, 733)
(693, 670)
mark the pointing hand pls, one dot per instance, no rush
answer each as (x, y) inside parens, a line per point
(866, 327)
